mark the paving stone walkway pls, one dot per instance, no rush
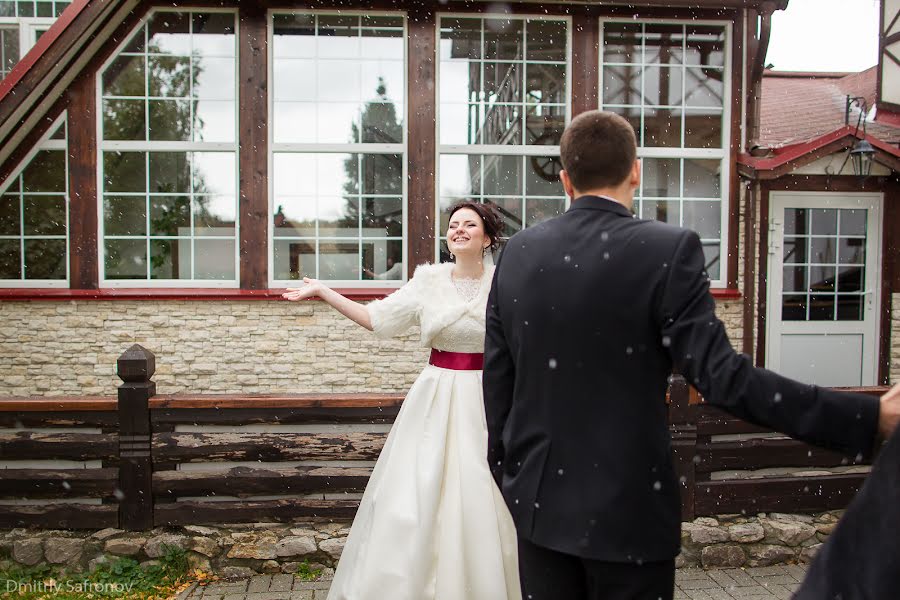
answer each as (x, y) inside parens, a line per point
(760, 583)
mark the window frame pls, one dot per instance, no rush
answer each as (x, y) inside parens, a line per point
(45, 143)
(28, 28)
(168, 146)
(517, 150)
(333, 148)
(722, 154)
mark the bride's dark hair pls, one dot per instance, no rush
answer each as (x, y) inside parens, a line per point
(493, 226)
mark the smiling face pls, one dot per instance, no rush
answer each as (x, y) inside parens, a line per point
(465, 234)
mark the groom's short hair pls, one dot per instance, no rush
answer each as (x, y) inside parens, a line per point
(598, 150)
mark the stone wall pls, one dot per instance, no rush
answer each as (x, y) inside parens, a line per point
(245, 550)
(70, 348)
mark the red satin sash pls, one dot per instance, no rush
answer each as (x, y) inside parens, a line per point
(458, 361)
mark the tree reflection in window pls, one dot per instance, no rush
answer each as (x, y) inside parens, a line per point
(172, 90)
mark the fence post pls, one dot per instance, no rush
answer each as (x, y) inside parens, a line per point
(683, 427)
(135, 368)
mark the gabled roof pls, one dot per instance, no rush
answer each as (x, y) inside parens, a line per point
(803, 118)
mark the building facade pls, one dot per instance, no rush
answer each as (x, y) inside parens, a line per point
(167, 169)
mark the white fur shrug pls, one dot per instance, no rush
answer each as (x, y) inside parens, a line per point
(430, 300)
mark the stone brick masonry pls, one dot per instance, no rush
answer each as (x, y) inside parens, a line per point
(70, 348)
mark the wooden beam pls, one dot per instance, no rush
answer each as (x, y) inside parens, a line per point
(253, 132)
(239, 481)
(585, 63)
(58, 404)
(272, 401)
(187, 513)
(206, 447)
(84, 265)
(31, 445)
(764, 453)
(421, 136)
(734, 199)
(59, 516)
(796, 494)
(280, 416)
(58, 483)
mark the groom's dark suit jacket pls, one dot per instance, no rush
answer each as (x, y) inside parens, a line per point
(588, 315)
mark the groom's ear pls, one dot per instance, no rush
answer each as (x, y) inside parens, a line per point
(636, 173)
(567, 184)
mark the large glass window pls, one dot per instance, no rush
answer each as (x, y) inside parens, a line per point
(503, 104)
(34, 218)
(169, 153)
(33, 8)
(338, 147)
(671, 82)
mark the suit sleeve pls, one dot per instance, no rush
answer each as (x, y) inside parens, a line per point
(700, 350)
(498, 380)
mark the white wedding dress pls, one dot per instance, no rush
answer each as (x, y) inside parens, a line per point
(432, 524)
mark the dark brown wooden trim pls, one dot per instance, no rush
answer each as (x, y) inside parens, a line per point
(218, 295)
(890, 280)
(800, 494)
(764, 453)
(57, 404)
(108, 421)
(734, 196)
(58, 483)
(750, 204)
(880, 66)
(253, 198)
(84, 268)
(206, 447)
(257, 481)
(187, 513)
(68, 446)
(275, 401)
(825, 183)
(421, 138)
(585, 76)
(60, 516)
(281, 416)
(762, 274)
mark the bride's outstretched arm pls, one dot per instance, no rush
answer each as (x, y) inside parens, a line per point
(352, 310)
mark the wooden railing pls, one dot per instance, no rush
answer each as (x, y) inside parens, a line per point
(143, 460)
(707, 440)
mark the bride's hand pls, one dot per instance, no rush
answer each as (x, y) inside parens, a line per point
(311, 288)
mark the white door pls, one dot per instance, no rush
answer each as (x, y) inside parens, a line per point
(824, 287)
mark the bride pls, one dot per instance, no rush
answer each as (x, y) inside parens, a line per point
(432, 524)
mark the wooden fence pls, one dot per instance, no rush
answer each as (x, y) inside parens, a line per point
(158, 460)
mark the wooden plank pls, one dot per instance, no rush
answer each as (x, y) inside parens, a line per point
(186, 513)
(104, 419)
(727, 425)
(59, 516)
(762, 269)
(585, 63)
(204, 447)
(421, 215)
(240, 481)
(764, 453)
(790, 495)
(282, 416)
(734, 143)
(253, 132)
(24, 445)
(57, 404)
(295, 401)
(55, 483)
(84, 266)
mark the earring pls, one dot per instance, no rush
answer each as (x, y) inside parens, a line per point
(452, 257)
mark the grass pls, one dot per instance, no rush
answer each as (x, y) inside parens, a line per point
(123, 579)
(306, 573)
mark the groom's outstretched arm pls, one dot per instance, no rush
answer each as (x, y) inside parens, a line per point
(498, 381)
(700, 350)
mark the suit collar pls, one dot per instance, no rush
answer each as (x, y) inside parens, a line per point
(600, 203)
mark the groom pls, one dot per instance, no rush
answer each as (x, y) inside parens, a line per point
(588, 315)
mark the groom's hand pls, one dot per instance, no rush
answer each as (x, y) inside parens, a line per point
(889, 413)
